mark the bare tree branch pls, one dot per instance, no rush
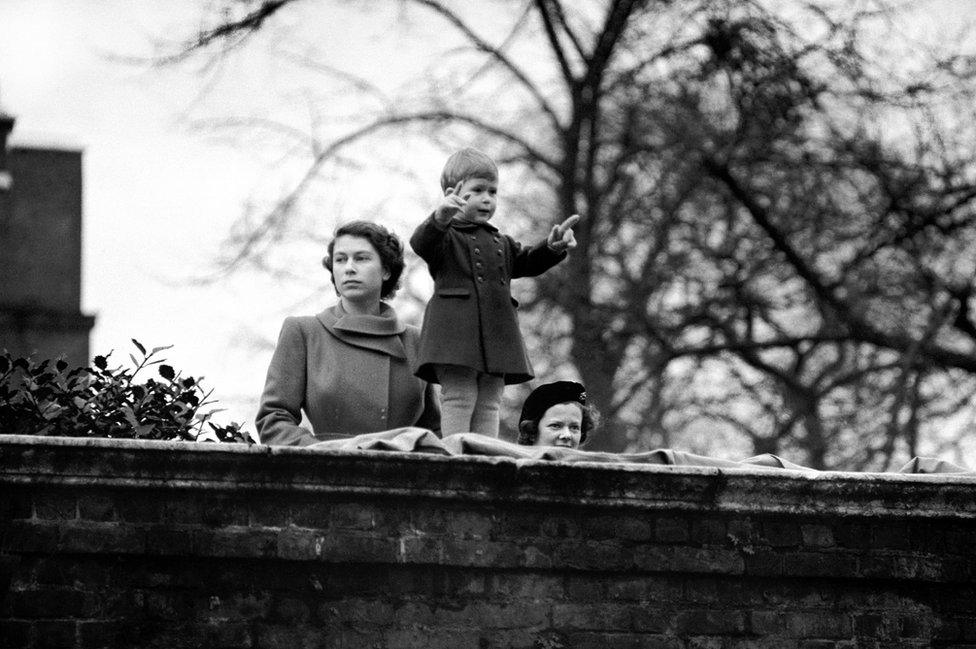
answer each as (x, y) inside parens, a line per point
(497, 54)
(231, 32)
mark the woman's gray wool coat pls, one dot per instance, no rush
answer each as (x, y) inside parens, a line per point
(350, 374)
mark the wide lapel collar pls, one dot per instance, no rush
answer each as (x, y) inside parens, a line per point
(379, 333)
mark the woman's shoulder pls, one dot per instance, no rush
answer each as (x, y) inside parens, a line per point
(411, 331)
(307, 323)
(299, 321)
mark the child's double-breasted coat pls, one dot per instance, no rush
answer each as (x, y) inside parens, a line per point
(471, 319)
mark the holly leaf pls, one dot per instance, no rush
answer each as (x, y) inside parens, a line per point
(167, 372)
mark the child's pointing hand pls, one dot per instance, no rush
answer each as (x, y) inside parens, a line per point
(561, 236)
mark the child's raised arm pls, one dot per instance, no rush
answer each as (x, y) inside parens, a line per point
(561, 236)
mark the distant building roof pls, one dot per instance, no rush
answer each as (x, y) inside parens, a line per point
(47, 141)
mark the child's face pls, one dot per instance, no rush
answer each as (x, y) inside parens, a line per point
(480, 199)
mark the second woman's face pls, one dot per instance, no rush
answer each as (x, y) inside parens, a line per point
(357, 270)
(561, 425)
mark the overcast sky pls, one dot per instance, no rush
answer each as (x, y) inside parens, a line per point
(158, 196)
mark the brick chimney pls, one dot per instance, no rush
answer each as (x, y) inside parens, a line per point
(40, 251)
(6, 126)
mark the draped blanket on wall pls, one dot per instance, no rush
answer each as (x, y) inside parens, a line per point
(420, 440)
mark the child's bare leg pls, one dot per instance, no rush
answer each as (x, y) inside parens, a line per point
(484, 420)
(459, 392)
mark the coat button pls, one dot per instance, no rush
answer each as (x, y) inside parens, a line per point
(481, 278)
(478, 264)
(477, 251)
(499, 251)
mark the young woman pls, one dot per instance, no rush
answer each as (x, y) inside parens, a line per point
(349, 367)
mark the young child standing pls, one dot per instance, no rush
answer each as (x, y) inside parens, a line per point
(470, 341)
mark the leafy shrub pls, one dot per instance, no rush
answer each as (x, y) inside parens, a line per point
(47, 398)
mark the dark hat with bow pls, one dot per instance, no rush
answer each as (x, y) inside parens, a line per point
(550, 394)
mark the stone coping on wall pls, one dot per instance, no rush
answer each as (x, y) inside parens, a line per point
(96, 462)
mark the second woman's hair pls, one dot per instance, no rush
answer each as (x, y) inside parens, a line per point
(387, 246)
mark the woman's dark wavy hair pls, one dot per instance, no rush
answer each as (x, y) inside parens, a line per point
(529, 428)
(387, 246)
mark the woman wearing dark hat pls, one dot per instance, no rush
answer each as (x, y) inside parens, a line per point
(556, 414)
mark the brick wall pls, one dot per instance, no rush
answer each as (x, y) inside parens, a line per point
(129, 544)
